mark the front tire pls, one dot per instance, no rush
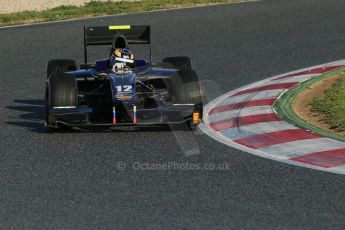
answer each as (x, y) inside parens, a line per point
(187, 88)
(61, 92)
(188, 91)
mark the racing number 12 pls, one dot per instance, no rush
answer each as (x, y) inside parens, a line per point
(124, 88)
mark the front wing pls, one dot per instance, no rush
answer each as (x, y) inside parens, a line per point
(162, 115)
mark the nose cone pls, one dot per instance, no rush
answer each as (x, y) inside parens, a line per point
(124, 88)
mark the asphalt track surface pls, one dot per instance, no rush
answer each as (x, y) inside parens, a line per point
(72, 180)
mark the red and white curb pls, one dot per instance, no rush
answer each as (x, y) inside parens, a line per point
(245, 119)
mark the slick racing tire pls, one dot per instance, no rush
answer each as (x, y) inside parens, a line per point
(62, 90)
(60, 65)
(180, 63)
(188, 90)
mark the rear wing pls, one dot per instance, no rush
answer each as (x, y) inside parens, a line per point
(103, 35)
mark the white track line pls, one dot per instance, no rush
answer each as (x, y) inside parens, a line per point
(295, 78)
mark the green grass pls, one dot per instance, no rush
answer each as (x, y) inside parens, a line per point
(96, 8)
(283, 106)
(332, 105)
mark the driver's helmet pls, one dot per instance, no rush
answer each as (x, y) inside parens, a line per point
(121, 56)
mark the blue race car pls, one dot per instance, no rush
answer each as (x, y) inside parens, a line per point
(121, 90)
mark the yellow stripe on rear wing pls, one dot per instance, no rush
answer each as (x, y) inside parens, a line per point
(124, 27)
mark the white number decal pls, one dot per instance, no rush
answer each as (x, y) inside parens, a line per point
(127, 88)
(124, 88)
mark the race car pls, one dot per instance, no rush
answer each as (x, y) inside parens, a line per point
(121, 90)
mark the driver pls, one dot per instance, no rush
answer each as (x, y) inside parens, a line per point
(121, 58)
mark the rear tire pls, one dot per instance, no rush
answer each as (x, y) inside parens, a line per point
(60, 65)
(180, 63)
